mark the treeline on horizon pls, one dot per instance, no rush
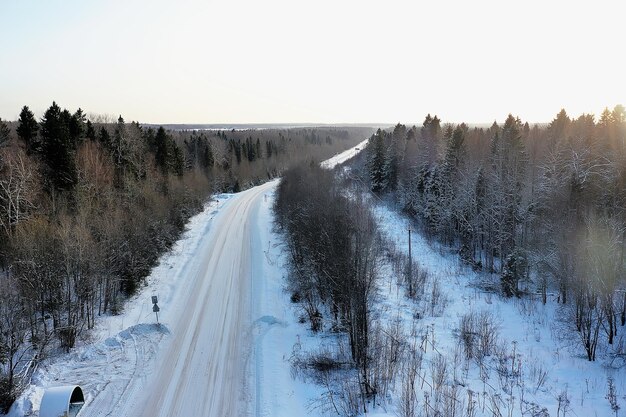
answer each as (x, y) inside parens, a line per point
(542, 206)
(88, 204)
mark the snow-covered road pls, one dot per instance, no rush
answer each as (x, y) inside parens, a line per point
(201, 371)
(342, 157)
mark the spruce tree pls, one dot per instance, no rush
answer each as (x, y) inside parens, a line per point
(104, 138)
(207, 157)
(58, 149)
(168, 156)
(161, 150)
(4, 133)
(606, 118)
(455, 149)
(27, 130)
(118, 143)
(235, 146)
(268, 148)
(393, 156)
(508, 159)
(77, 125)
(618, 115)
(430, 135)
(91, 132)
(558, 127)
(150, 139)
(178, 160)
(376, 161)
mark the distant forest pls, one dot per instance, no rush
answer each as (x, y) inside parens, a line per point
(88, 204)
(542, 206)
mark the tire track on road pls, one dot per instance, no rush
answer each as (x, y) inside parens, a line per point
(209, 352)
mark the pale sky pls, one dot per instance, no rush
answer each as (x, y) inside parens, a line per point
(319, 61)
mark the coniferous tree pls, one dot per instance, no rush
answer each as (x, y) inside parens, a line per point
(235, 146)
(208, 159)
(455, 151)
(606, 117)
(618, 115)
(104, 138)
(90, 131)
(393, 156)
(268, 149)
(177, 160)
(77, 125)
(430, 135)
(559, 126)
(149, 137)
(376, 161)
(27, 130)
(58, 149)
(161, 149)
(450, 179)
(508, 165)
(168, 156)
(250, 150)
(258, 148)
(4, 132)
(118, 143)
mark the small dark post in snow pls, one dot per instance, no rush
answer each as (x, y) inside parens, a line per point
(410, 258)
(155, 307)
(410, 267)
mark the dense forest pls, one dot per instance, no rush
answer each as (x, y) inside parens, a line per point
(89, 203)
(542, 206)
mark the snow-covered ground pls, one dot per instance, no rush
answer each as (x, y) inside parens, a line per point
(538, 364)
(226, 330)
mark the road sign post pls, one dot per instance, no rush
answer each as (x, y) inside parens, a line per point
(155, 307)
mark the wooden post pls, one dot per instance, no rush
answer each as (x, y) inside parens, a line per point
(409, 272)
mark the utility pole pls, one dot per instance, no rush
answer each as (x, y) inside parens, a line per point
(410, 258)
(409, 271)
